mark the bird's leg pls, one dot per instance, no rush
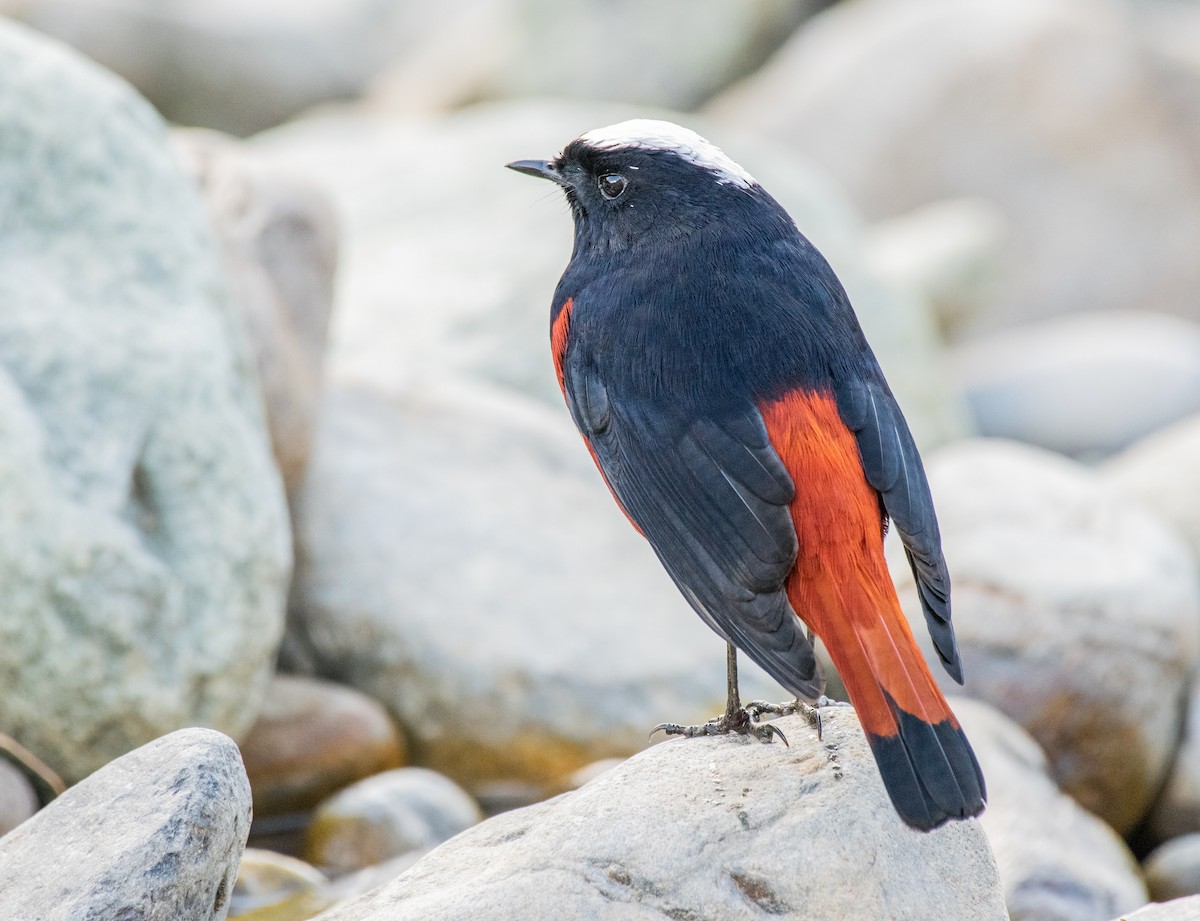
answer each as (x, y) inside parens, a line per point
(736, 718)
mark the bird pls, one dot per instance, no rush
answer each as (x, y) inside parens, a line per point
(713, 364)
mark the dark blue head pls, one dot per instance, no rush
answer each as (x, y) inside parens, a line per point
(652, 182)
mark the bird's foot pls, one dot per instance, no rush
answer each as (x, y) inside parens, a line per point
(743, 721)
(757, 708)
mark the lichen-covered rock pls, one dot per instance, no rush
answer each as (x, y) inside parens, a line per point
(155, 835)
(708, 828)
(144, 547)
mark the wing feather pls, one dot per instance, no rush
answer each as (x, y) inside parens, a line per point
(893, 467)
(711, 496)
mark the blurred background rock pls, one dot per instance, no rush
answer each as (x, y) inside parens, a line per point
(316, 330)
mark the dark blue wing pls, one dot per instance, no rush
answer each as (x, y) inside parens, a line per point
(893, 467)
(712, 498)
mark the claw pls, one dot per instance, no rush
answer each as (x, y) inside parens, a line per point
(756, 708)
(743, 721)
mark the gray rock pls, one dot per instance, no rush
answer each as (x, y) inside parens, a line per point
(1176, 811)
(43, 781)
(1057, 861)
(708, 828)
(1173, 869)
(948, 252)
(285, 887)
(386, 816)
(1170, 34)
(18, 798)
(910, 103)
(461, 561)
(311, 739)
(352, 885)
(674, 53)
(1159, 471)
(236, 67)
(421, 199)
(1084, 385)
(1077, 613)
(278, 235)
(155, 835)
(1178, 910)
(144, 547)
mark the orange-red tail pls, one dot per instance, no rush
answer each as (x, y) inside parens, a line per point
(926, 763)
(841, 589)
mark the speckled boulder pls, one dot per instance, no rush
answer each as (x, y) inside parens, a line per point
(144, 546)
(155, 835)
(708, 828)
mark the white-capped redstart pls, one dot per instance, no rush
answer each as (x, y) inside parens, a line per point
(713, 363)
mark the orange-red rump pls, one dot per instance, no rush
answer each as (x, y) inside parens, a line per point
(842, 589)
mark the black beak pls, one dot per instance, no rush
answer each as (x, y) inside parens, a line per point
(543, 169)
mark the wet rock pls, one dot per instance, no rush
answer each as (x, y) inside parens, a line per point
(1057, 861)
(910, 103)
(1076, 611)
(312, 738)
(155, 835)
(386, 816)
(144, 547)
(704, 828)
(279, 239)
(1084, 385)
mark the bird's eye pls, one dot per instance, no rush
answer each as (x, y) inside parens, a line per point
(612, 185)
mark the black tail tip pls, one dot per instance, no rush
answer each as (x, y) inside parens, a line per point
(930, 772)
